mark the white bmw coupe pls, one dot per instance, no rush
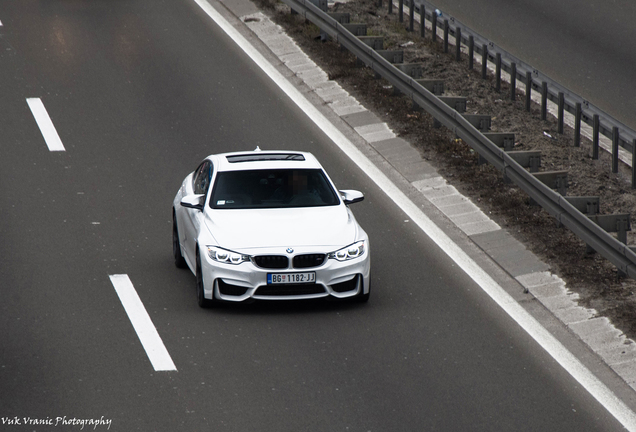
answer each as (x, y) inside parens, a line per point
(268, 225)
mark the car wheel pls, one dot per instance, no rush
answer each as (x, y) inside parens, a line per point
(203, 302)
(179, 261)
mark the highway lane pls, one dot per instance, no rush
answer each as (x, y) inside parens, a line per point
(139, 93)
(586, 46)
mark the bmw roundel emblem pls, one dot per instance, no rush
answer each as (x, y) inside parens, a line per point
(290, 250)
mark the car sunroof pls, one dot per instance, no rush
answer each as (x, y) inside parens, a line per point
(265, 157)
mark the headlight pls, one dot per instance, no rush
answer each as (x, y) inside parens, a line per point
(226, 256)
(350, 252)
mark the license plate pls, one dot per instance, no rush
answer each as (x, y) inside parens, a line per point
(291, 278)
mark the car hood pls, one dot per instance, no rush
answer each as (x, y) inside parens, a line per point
(331, 226)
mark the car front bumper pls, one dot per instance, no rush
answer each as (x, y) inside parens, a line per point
(236, 283)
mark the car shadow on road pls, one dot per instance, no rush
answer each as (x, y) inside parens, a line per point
(286, 307)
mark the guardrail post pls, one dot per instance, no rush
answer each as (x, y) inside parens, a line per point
(562, 185)
(503, 140)
(414, 70)
(561, 108)
(471, 51)
(498, 72)
(615, 139)
(434, 25)
(513, 81)
(422, 21)
(481, 122)
(596, 127)
(435, 86)
(356, 29)
(634, 164)
(392, 56)
(458, 43)
(557, 180)
(623, 226)
(535, 163)
(458, 103)
(375, 42)
(528, 159)
(341, 17)
(411, 15)
(401, 10)
(544, 100)
(321, 4)
(588, 205)
(577, 126)
(528, 90)
(618, 223)
(446, 31)
(484, 61)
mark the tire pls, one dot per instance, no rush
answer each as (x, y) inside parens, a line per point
(203, 302)
(179, 261)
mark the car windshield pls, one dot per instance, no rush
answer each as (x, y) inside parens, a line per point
(272, 188)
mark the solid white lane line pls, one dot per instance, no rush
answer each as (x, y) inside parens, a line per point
(45, 124)
(544, 338)
(150, 339)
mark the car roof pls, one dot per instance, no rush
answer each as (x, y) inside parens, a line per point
(264, 159)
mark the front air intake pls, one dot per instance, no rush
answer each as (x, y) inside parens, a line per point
(271, 261)
(308, 260)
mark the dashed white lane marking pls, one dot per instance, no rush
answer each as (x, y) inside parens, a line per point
(146, 331)
(45, 124)
(542, 336)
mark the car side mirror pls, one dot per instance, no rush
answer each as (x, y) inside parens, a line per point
(351, 196)
(193, 201)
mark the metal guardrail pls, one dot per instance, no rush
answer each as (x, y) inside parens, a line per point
(603, 123)
(554, 203)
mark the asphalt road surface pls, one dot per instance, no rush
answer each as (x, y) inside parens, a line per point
(139, 92)
(587, 46)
